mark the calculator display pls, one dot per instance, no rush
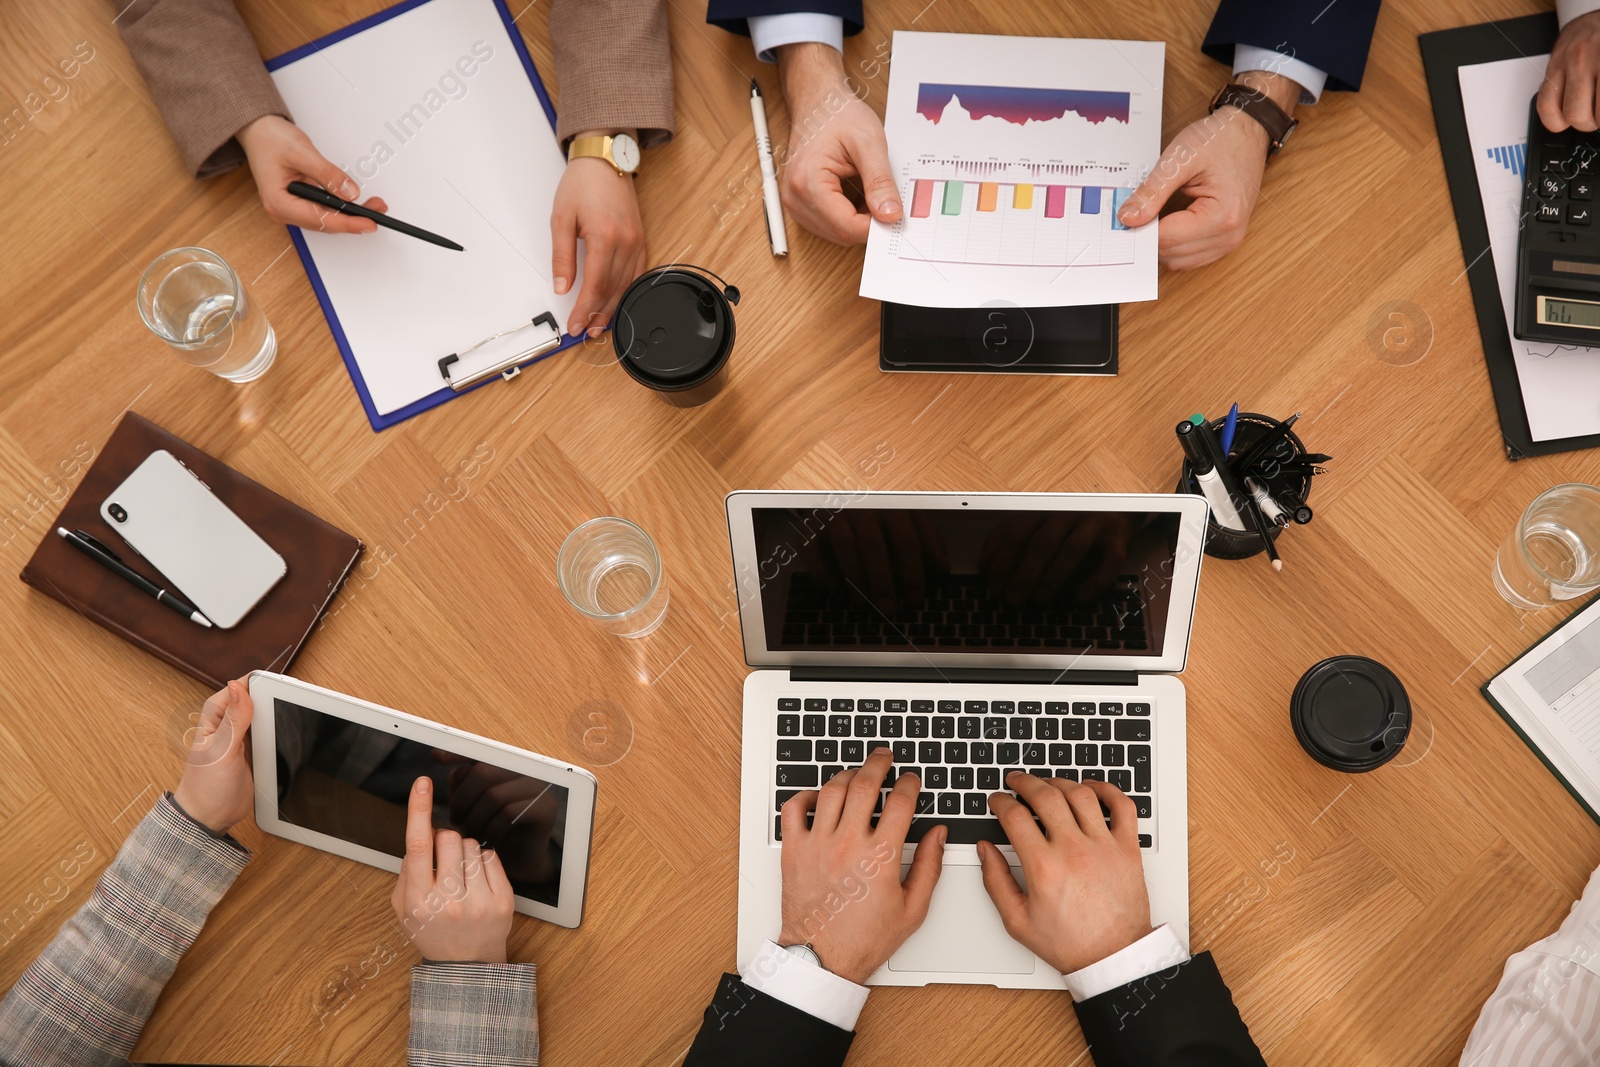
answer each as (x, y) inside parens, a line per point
(1582, 314)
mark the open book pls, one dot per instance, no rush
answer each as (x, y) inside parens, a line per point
(1551, 696)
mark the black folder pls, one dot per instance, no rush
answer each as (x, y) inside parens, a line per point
(1443, 52)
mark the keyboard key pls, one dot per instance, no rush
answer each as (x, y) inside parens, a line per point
(929, 752)
(925, 802)
(867, 726)
(873, 746)
(851, 752)
(949, 707)
(816, 704)
(955, 752)
(814, 725)
(1083, 707)
(1086, 755)
(829, 771)
(1008, 753)
(1550, 187)
(949, 803)
(905, 752)
(1099, 729)
(794, 751)
(1047, 729)
(1144, 805)
(1029, 707)
(944, 726)
(1022, 729)
(1132, 729)
(838, 726)
(935, 778)
(1110, 708)
(1110, 755)
(891, 725)
(869, 706)
(917, 726)
(1067, 772)
(994, 729)
(977, 707)
(781, 797)
(1033, 754)
(827, 752)
(799, 776)
(788, 726)
(1139, 760)
(1139, 709)
(960, 777)
(1057, 707)
(843, 704)
(1072, 729)
(961, 831)
(989, 778)
(788, 703)
(897, 707)
(1122, 778)
(969, 726)
(1582, 189)
(1579, 215)
(982, 752)
(922, 707)
(1146, 841)
(1093, 774)
(1004, 707)
(975, 804)
(908, 769)
(1061, 755)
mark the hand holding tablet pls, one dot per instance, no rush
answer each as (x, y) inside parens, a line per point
(452, 896)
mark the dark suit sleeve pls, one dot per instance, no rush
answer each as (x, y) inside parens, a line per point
(743, 1027)
(731, 14)
(1181, 1017)
(1334, 38)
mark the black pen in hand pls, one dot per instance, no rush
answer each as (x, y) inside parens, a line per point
(102, 555)
(338, 203)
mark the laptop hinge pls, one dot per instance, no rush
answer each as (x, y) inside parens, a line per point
(981, 675)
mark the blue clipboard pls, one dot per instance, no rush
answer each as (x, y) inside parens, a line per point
(383, 422)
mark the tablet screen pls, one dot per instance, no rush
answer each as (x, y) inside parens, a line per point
(352, 782)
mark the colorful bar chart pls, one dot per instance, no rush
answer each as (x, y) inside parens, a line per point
(994, 222)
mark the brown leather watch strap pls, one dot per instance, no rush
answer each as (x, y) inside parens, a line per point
(1259, 106)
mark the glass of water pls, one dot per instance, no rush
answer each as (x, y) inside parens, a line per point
(610, 571)
(192, 299)
(1553, 554)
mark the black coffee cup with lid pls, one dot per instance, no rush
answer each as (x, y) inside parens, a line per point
(1351, 713)
(674, 332)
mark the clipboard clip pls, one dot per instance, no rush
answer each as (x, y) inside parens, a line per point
(509, 367)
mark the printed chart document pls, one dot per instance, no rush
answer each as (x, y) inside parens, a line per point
(433, 110)
(1013, 155)
(1560, 383)
(1551, 696)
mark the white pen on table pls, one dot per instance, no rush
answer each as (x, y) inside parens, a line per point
(769, 174)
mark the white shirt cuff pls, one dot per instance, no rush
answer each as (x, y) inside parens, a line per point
(770, 32)
(1158, 950)
(1311, 80)
(1567, 10)
(799, 983)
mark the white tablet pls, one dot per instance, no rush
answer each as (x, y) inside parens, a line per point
(334, 772)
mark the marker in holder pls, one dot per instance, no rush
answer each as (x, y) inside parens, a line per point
(1267, 452)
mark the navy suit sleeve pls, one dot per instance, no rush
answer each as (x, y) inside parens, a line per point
(1183, 1017)
(731, 14)
(1334, 38)
(743, 1026)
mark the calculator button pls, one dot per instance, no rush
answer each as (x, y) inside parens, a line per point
(1582, 189)
(1550, 213)
(1578, 214)
(1550, 187)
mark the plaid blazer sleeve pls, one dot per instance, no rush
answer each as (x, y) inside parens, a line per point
(85, 999)
(473, 1015)
(205, 73)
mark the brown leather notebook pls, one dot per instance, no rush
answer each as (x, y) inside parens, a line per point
(270, 634)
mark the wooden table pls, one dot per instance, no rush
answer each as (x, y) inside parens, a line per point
(1358, 919)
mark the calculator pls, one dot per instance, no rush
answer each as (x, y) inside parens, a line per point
(1558, 248)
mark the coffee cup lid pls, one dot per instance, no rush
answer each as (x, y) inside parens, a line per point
(1351, 713)
(674, 329)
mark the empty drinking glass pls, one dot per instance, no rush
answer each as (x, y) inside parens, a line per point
(192, 299)
(609, 570)
(1553, 554)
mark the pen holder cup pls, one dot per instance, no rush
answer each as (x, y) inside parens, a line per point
(1223, 542)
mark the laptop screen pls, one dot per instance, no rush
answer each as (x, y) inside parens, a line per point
(989, 582)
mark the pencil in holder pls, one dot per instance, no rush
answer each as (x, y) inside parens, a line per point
(1280, 468)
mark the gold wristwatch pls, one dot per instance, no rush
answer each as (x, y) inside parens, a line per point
(617, 149)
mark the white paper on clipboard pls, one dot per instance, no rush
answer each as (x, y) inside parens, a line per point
(433, 110)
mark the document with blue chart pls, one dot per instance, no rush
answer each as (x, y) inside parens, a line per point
(1013, 155)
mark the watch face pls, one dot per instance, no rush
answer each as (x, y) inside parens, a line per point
(625, 152)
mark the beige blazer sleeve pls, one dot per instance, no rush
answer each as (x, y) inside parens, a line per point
(205, 73)
(613, 66)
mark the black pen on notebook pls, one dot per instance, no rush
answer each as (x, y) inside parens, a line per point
(345, 207)
(108, 559)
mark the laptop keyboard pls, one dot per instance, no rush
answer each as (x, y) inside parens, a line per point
(963, 749)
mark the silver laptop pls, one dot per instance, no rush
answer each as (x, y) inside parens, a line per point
(972, 634)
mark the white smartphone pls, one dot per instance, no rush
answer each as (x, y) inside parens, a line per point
(168, 515)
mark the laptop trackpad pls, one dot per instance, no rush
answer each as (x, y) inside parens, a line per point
(963, 933)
